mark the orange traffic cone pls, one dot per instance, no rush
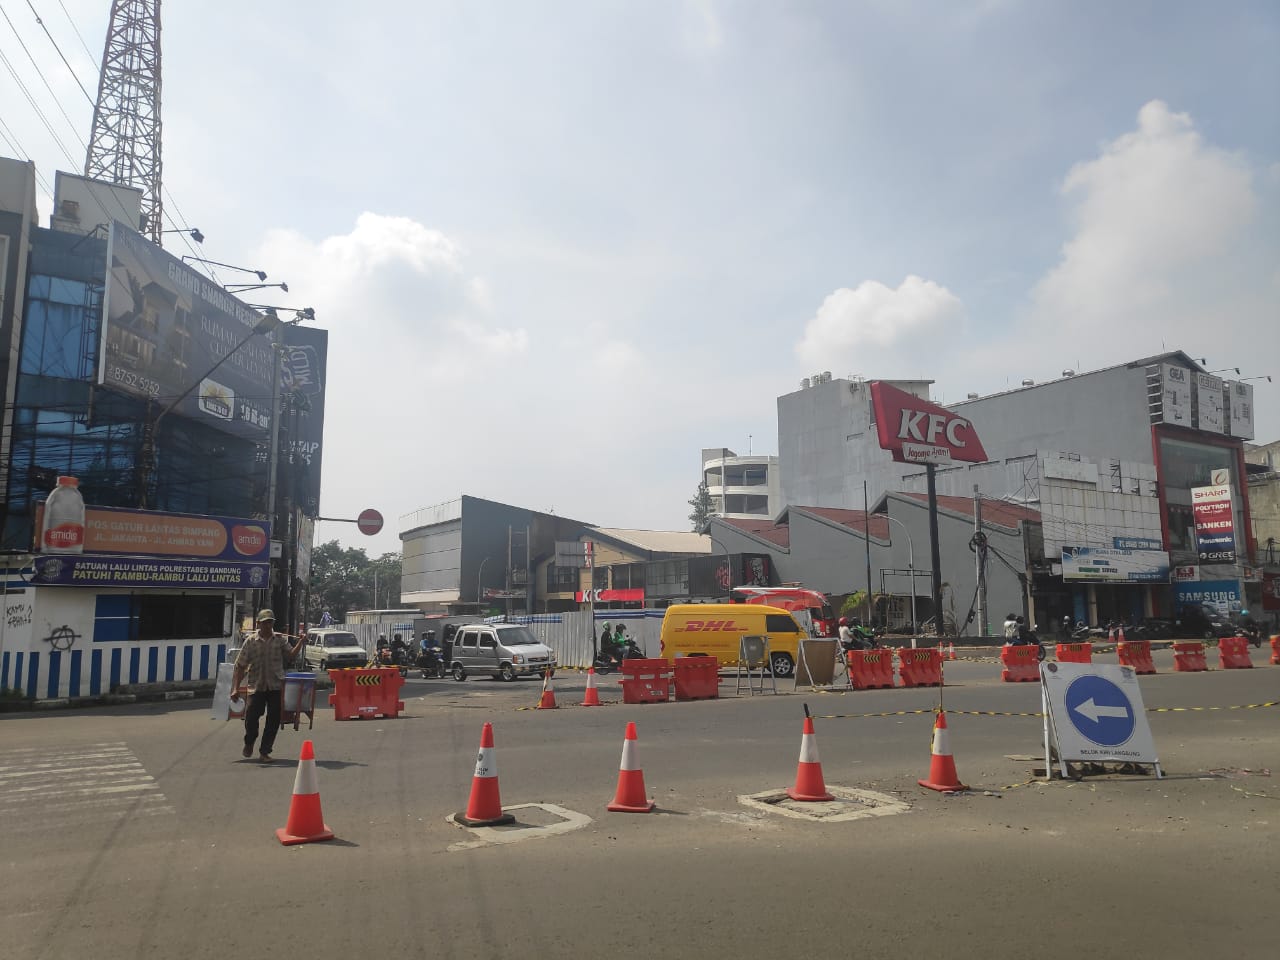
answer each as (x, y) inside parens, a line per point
(592, 697)
(951, 650)
(306, 822)
(548, 699)
(630, 796)
(942, 766)
(809, 782)
(1120, 633)
(1111, 635)
(484, 809)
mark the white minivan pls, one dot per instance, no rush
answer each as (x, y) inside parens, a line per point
(504, 650)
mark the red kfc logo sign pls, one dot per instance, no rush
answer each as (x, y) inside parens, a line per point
(917, 431)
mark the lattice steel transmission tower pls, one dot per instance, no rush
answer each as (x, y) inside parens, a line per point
(124, 146)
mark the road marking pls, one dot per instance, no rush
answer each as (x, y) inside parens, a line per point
(483, 836)
(42, 788)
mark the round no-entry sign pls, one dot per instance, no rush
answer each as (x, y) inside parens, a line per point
(369, 522)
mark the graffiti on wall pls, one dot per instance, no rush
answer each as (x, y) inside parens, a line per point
(62, 638)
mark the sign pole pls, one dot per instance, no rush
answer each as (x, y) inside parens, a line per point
(935, 554)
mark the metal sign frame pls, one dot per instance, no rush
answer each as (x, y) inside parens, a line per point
(1060, 681)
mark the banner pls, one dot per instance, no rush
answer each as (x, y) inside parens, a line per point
(1223, 595)
(141, 533)
(165, 328)
(105, 571)
(1100, 564)
(1211, 509)
(303, 367)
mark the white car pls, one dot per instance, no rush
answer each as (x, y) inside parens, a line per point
(332, 648)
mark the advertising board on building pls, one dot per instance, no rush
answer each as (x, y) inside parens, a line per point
(1239, 409)
(1100, 564)
(1186, 574)
(1224, 595)
(1175, 394)
(303, 368)
(1212, 513)
(165, 325)
(1208, 397)
(143, 533)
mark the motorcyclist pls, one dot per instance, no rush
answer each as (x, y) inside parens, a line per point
(1011, 628)
(606, 639)
(399, 649)
(1248, 628)
(846, 635)
(620, 642)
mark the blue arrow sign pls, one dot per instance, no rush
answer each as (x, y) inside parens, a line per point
(1100, 711)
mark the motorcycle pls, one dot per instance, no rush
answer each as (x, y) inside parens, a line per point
(861, 638)
(1028, 638)
(611, 658)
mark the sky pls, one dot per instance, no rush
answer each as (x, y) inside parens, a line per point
(561, 247)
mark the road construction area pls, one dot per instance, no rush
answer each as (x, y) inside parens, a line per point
(140, 832)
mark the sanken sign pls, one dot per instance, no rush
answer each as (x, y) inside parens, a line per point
(917, 431)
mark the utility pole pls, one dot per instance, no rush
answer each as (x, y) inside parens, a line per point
(866, 536)
(935, 554)
(979, 553)
(1028, 602)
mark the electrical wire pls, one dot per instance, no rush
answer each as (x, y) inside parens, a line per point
(83, 45)
(59, 49)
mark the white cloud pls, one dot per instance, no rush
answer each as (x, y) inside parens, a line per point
(876, 316)
(1161, 229)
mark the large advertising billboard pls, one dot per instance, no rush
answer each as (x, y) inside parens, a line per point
(303, 369)
(149, 533)
(1240, 409)
(165, 327)
(917, 431)
(1209, 397)
(1175, 394)
(1212, 514)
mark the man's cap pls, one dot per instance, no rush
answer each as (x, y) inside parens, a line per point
(266, 614)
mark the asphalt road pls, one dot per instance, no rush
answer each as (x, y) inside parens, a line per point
(132, 832)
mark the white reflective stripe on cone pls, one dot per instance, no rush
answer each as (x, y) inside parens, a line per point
(486, 763)
(629, 761)
(941, 742)
(306, 783)
(808, 748)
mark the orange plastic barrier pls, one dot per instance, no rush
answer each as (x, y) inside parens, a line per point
(646, 681)
(697, 678)
(1233, 653)
(1188, 656)
(870, 669)
(920, 668)
(1275, 649)
(1075, 653)
(1136, 654)
(366, 692)
(1021, 664)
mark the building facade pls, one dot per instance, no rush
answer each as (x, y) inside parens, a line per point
(745, 488)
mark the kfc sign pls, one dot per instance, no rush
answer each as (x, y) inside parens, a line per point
(917, 431)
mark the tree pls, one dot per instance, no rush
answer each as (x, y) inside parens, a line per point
(704, 508)
(342, 579)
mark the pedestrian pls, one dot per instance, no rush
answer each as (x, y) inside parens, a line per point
(260, 664)
(326, 619)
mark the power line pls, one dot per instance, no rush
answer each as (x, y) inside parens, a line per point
(84, 46)
(59, 49)
(40, 74)
(36, 107)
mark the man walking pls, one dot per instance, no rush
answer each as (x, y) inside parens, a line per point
(261, 664)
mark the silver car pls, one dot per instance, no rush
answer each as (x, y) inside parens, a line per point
(499, 650)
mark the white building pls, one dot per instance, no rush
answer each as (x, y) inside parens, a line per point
(744, 488)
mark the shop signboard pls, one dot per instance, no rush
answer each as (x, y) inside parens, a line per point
(107, 571)
(1211, 510)
(1223, 595)
(1100, 564)
(917, 431)
(1186, 574)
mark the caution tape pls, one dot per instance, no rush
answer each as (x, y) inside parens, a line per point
(1037, 713)
(1242, 706)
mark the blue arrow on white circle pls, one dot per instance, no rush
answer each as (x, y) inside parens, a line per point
(1095, 711)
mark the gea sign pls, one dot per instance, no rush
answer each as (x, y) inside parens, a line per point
(917, 431)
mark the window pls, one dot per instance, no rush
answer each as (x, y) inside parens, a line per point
(780, 623)
(469, 638)
(120, 618)
(487, 641)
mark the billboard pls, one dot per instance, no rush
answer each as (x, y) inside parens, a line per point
(1223, 595)
(143, 533)
(1175, 394)
(164, 329)
(1239, 409)
(917, 431)
(1100, 564)
(1212, 513)
(303, 368)
(1208, 395)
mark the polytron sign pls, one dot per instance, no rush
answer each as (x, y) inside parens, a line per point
(917, 431)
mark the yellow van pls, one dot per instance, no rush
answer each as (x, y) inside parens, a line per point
(716, 630)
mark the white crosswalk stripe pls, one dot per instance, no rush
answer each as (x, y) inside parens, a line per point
(41, 788)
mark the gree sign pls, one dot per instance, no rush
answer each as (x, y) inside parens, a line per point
(917, 431)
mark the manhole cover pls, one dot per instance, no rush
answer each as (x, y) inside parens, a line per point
(849, 804)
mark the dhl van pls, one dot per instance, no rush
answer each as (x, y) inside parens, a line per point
(716, 630)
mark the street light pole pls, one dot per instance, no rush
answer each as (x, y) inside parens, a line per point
(479, 573)
(911, 567)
